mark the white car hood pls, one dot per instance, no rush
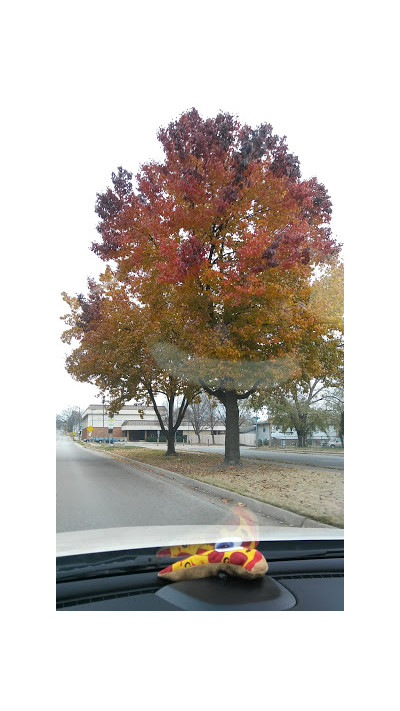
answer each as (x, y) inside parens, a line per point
(112, 539)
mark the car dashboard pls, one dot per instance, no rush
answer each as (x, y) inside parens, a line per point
(302, 575)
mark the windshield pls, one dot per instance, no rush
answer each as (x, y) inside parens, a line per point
(201, 367)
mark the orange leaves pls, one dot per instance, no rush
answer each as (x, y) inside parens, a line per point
(326, 300)
(218, 245)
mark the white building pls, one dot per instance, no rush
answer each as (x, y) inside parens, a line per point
(268, 434)
(135, 423)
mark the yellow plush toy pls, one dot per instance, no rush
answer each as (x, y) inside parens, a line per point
(235, 554)
(240, 562)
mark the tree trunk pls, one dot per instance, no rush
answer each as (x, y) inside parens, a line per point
(232, 448)
(170, 442)
(301, 438)
(198, 437)
(341, 428)
(170, 434)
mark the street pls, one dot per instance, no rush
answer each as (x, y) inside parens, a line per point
(96, 491)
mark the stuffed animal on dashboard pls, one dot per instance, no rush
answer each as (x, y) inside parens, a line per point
(235, 554)
(185, 551)
(240, 562)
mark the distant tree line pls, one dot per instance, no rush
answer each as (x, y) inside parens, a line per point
(68, 419)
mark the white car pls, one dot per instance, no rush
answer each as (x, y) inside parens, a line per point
(335, 442)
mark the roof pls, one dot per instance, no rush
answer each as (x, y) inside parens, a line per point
(141, 424)
(124, 407)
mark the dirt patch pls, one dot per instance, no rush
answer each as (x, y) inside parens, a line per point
(310, 491)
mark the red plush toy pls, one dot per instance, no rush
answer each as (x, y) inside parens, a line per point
(240, 562)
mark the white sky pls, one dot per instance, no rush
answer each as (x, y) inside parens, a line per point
(93, 82)
(122, 75)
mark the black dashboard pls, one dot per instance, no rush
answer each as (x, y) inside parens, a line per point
(306, 575)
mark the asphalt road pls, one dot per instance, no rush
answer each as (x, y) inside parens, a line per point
(96, 491)
(330, 461)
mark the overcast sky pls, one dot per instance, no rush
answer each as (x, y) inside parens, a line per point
(111, 75)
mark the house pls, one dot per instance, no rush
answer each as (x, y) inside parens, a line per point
(269, 435)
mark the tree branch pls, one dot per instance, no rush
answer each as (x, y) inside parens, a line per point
(219, 394)
(152, 398)
(247, 394)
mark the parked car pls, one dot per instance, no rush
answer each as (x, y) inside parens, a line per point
(335, 442)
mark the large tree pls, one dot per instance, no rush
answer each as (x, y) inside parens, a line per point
(220, 241)
(300, 407)
(115, 337)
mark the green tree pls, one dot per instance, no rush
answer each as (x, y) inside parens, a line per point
(305, 403)
(335, 406)
(297, 410)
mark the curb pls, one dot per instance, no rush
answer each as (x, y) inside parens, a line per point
(288, 518)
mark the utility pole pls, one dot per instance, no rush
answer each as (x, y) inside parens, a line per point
(256, 419)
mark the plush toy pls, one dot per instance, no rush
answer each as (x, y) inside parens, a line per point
(194, 549)
(235, 554)
(241, 562)
(184, 551)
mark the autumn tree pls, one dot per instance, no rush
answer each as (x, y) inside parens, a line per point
(220, 242)
(114, 337)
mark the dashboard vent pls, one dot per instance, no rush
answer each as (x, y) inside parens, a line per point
(308, 576)
(99, 598)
